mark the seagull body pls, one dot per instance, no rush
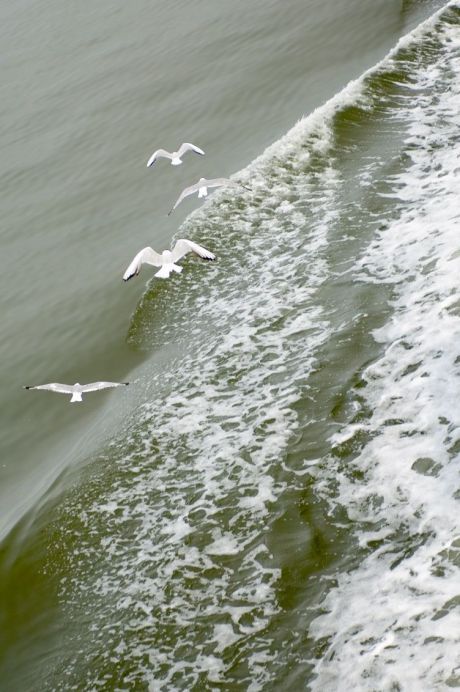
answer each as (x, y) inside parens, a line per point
(202, 188)
(167, 259)
(77, 389)
(175, 156)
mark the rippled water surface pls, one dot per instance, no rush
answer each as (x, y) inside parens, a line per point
(272, 504)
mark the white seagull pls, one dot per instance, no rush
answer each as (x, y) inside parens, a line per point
(175, 156)
(202, 188)
(77, 389)
(167, 260)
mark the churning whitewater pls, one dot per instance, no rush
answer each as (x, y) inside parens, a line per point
(406, 505)
(305, 387)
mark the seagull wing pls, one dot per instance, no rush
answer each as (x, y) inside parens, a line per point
(156, 155)
(95, 386)
(185, 193)
(187, 146)
(183, 246)
(54, 387)
(218, 182)
(145, 256)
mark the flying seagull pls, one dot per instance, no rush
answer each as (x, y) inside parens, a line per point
(175, 156)
(77, 389)
(167, 260)
(202, 188)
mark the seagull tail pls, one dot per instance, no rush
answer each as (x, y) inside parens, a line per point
(76, 396)
(176, 162)
(166, 269)
(163, 272)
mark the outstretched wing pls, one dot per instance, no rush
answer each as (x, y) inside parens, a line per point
(95, 386)
(156, 155)
(185, 193)
(183, 246)
(187, 146)
(145, 256)
(219, 182)
(54, 387)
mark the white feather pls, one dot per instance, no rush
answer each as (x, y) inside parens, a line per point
(184, 246)
(201, 187)
(175, 156)
(167, 260)
(77, 389)
(145, 256)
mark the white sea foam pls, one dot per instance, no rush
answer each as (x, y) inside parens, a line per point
(206, 459)
(186, 565)
(394, 622)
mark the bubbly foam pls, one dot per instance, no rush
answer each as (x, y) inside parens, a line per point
(394, 622)
(202, 475)
(181, 587)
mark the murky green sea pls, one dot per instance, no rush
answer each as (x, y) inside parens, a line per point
(272, 504)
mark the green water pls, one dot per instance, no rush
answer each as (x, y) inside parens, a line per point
(86, 98)
(88, 94)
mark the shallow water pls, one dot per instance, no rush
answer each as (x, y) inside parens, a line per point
(287, 452)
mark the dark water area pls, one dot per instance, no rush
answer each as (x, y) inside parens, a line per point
(286, 452)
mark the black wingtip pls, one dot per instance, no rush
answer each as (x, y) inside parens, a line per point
(27, 386)
(170, 212)
(125, 383)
